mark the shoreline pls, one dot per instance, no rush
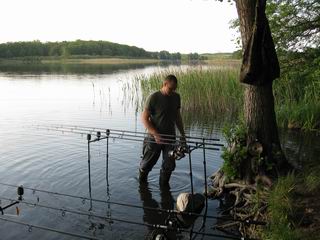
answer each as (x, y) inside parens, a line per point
(94, 60)
(113, 60)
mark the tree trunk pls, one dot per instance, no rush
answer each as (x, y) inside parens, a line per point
(259, 111)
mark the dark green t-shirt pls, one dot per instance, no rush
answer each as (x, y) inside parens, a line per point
(163, 111)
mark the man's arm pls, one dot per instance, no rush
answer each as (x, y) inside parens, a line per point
(179, 124)
(145, 117)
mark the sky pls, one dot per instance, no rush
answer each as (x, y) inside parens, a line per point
(183, 26)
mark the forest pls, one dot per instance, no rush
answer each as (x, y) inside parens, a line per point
(83, 49)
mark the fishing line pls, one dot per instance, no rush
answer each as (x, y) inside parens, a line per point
(31, 226)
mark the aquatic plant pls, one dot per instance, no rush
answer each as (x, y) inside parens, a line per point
(213, 93)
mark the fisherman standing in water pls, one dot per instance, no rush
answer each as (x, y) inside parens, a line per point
(160, 116)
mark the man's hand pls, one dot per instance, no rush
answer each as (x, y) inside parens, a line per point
(183, 139)
(179, 124)
(157, 138)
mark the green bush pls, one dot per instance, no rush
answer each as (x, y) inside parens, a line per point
(236, 151)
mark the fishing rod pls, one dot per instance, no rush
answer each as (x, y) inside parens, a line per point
(191, 139)
(144, 134)
(252, 222)
(158, 226)
(101, 136)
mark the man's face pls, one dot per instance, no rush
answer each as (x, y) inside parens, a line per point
(170, 86)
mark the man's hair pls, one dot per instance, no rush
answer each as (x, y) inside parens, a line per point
(171, 78)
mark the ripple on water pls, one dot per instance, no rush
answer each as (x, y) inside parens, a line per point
(58, 161)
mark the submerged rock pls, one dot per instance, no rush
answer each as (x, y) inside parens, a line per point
(188, 203)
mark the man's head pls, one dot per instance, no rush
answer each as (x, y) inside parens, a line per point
(169, 84)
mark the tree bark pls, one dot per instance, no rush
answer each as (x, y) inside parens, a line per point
(259, 113)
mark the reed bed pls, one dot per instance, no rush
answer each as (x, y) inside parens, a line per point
(206, 93)
(298, 103)
(215, 93)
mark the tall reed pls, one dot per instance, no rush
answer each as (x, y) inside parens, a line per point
(215, 93)
(207, 93)
(298, 102)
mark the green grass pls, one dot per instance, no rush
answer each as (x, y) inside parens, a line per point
(79, 60)
(210, 56)
(286, 201)
(312, 178)
(279, 211)
(298, 102)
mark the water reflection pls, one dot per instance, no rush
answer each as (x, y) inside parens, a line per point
(301, 148)
(76, 68)
(69, 68)
(153, 217)
(58, 162)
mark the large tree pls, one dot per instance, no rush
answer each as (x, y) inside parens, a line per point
(259, 68)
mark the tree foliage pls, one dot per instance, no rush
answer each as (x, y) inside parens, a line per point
(196, 57)
(79, 48)
(295, 24)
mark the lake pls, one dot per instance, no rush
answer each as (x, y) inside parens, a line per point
(55, 161)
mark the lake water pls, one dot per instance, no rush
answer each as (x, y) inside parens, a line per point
(92, 96)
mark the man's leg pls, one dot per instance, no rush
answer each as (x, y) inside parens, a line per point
(150, 155)
(168, 165)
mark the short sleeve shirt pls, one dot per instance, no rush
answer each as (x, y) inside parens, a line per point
(163, 111)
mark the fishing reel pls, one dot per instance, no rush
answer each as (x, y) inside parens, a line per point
(179, 151)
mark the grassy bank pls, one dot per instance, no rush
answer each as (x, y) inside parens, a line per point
(104, 61)
(293, 208)
(86, 59)
(214, 92)
(79, 60)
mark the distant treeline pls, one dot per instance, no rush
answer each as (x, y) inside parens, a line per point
(83, 48)
(65, 49)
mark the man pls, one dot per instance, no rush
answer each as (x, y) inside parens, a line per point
(160, 116)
